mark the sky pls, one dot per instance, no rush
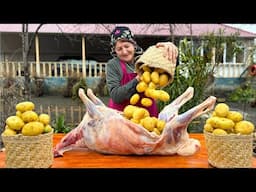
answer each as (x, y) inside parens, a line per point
(247, 27)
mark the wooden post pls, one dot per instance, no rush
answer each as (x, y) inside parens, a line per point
(225, 53)
(83, 57)
(25, 48)
(37, 56)
(213, 55)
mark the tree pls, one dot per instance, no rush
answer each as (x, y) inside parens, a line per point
(25, 60)
(26, 47)
(196, 70)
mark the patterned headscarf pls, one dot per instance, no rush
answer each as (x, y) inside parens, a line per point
(126, 34)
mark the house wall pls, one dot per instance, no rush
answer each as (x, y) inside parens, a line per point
(11, 47)
(57, 86)
(227, 84)
(52, 47)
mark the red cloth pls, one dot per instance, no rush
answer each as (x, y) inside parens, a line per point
(126, 78)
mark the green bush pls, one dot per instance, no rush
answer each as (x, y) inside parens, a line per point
(197, 70)
(60, 126)
(242, 94)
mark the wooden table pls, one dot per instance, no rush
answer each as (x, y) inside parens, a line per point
(90, 159)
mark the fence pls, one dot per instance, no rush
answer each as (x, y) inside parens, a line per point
(230, 70)
(72, 114)
(67, 69)
(2, 118)
(51, 69)
(9, 95)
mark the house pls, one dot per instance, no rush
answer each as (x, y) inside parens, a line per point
(82, 42)
(58, 40)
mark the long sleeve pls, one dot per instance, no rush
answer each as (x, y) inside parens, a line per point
(114, 75)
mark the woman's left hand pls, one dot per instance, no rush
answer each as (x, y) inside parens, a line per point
(171, 51)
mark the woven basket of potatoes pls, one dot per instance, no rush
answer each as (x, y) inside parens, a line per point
(28, 138)
(229, 138)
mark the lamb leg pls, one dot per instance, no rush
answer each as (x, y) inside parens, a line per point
(173, 107)
(198, 110)
(90, 106)
(73, 139)
(94, 99)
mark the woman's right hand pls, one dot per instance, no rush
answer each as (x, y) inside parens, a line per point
(171, 51)
(138, 77)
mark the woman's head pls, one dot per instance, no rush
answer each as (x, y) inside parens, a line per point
(123, 44)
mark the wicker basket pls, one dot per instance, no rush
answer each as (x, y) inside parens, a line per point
(154, 57)
(229, 151)
(29, 151)
(254, 144)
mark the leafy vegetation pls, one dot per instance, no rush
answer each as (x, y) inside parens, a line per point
(243, 94)
(197, 70)
(60, 126)
(80, 84)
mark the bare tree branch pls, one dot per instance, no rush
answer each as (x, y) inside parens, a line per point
(33, 38)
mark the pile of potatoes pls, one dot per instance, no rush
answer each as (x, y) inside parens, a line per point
(223, 121)
(149, 87)
(26, 121)
(151, 80)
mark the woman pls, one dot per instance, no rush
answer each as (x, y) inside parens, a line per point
(121, 76)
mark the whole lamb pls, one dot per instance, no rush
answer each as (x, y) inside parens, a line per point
(107, 131)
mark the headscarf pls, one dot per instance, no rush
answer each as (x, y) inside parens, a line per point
(124, 33)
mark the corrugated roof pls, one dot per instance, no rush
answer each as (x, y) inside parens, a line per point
(138, 29)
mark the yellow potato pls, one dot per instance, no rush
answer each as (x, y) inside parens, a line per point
(156, 131)
(141, 86)
(154, 77)
(25, 106)
(160, 125)
(47, 128)
(146, 68)
(44, 118)
(163, 80)
(33, 128)
(235, 116)
(244, 127)
(146, 102)
(129, 110)
(29, 116)
(138, 114)
(159, 70)
(208, 127)
(163, 96)
(9, 132)
(152, 85)
(149, 123)
(134, 99)
(146, 77)
(221, 123)
(219, 132)
(221, 109)
(14, 123)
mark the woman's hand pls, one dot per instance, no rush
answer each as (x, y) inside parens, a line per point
(171, 51)
(138, 77)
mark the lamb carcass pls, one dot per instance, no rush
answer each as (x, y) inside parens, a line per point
(106, 131)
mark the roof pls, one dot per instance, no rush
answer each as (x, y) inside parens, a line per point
(137, 29)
